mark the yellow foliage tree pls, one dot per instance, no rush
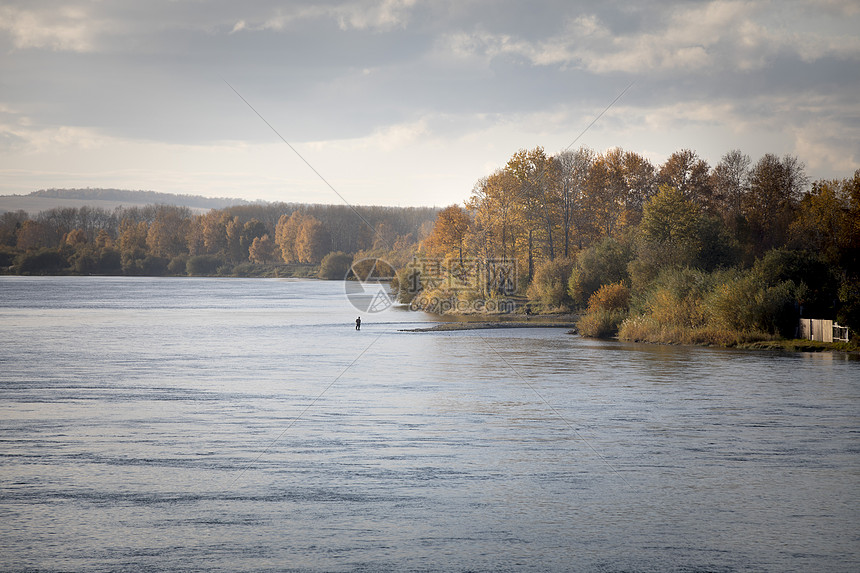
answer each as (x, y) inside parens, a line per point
(312, 242)
(286, 232)
(449, 232)
(262, 250)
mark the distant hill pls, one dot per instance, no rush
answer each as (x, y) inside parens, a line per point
(46, 199)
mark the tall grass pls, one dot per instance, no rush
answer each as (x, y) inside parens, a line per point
(642, 328)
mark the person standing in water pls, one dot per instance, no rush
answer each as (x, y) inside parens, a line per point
(358, 323)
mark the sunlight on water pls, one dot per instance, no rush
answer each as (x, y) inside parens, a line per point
(231, 424)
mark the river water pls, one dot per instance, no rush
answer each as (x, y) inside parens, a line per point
(238, 425)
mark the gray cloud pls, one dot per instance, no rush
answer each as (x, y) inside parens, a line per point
(350, 69)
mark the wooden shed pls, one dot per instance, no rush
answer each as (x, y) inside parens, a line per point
(822, 330)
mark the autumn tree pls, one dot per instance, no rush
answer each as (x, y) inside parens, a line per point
(10, 223)
(104, 240)
(312, 242)
(132, 245)
(263, 250)
(496, 205)
(449, 232)
(604, 198)
(730, 181)
(573, 170)
(384, 236)
(640, 184)
(776, 185)
(75, 237)
(132, 236)
(251, 230)
(233, 232)
(215, 232)
(194, 237)
(828, 221)
(33, 235)
(689, 174)
(629, 181)
(167, 235)
(286, 232)
(536, 175)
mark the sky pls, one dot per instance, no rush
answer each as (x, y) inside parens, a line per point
(409, 102)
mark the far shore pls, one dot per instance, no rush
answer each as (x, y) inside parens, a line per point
(450, 322)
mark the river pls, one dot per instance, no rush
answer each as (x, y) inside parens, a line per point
(195, 424)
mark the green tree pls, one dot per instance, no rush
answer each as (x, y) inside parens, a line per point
(670, 229)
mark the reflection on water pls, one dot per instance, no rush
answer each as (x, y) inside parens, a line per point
(220, 424)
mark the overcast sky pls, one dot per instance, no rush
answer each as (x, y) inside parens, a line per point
(409, 102)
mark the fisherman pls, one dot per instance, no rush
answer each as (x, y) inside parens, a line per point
(358, 323)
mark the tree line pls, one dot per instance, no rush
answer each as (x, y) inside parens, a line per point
(167, 239)
(660, 238)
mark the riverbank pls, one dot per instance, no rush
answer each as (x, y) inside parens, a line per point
(475, 325)
(471, 322)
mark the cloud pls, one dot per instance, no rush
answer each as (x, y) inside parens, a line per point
(67, 28)
(378, 15)
(408, 91)
(690, 38)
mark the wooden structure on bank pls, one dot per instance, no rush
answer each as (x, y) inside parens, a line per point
(822, 330)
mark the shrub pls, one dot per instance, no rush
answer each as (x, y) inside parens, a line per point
(407, 284)
(613, 296)
(751, 302)
(371, 268)
(677, 298)
(801, 268)
(600, 323)
(110, 262)
(203, 265)
(607, 309)
(549, 285)
(7, 257)
(604, 263)
(178, 265)
(849, 310)
(642, 328)
(42, 262)
(335, 266)
(154, 266)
